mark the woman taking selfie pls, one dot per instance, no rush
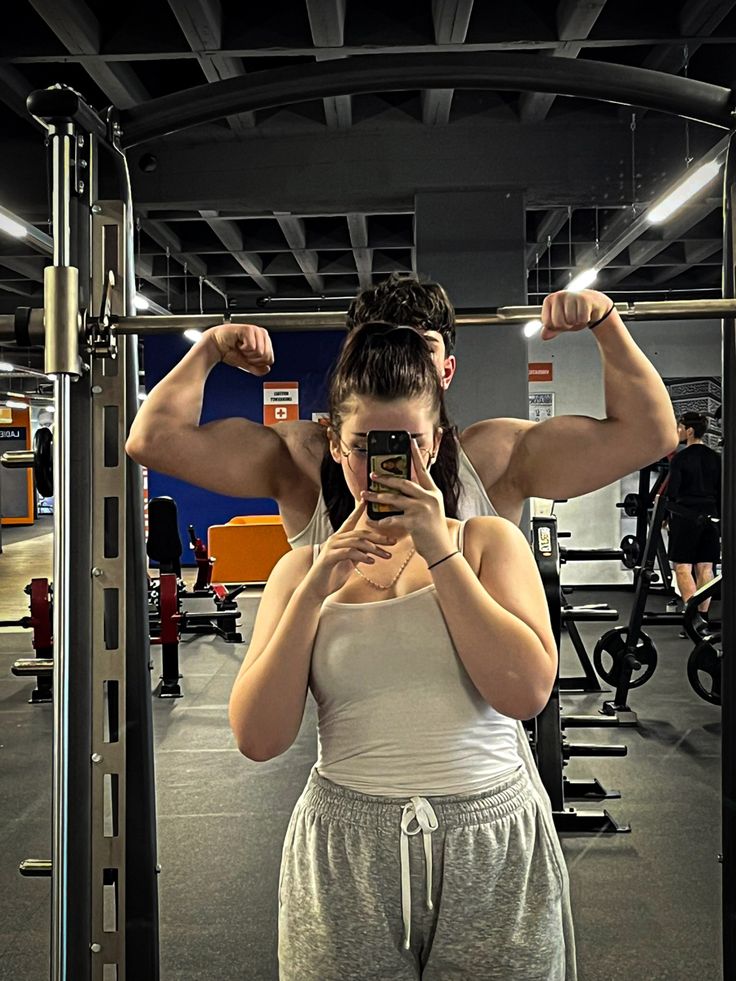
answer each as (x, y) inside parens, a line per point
(419, 848)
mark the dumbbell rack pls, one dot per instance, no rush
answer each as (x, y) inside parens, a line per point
(549, 741)
(640, 505)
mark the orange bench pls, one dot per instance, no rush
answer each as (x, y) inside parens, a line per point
(247, 548)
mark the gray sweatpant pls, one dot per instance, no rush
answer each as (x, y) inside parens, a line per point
(437, 889)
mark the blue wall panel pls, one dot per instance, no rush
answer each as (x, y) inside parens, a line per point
(301, 356)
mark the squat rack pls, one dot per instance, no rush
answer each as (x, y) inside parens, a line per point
(104, 838)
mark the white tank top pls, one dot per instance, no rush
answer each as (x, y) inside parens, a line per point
(397, 712)
(472, 503)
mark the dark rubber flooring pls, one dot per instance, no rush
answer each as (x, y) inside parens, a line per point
(646, 904)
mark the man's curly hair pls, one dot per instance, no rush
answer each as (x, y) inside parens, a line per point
(406, 300)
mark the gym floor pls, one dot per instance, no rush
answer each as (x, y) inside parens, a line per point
(646, 904)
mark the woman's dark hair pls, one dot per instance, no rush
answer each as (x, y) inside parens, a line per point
(406, 300)
(385, 362)
(695, 421)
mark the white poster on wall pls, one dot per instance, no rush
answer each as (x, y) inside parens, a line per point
(541, 406)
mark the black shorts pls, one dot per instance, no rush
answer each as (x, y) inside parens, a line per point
(693, 540)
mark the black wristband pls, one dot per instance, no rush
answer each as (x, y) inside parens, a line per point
(605, 316)
(439, 561)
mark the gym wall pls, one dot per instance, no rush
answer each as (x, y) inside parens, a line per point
(301, 356)
(676, 349)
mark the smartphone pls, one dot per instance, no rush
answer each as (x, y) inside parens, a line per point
(389, 452)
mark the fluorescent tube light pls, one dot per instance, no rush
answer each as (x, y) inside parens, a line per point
(532, 327)
(193, 335)
(12, 227)
(583, 279)
(684, 191)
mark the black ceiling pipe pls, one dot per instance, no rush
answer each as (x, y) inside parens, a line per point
(639, 87)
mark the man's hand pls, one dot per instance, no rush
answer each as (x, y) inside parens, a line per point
(243, 346)
(569, 311)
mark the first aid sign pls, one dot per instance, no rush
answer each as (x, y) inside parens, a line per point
(280, 402)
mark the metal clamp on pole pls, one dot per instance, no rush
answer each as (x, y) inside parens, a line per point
(62, 320)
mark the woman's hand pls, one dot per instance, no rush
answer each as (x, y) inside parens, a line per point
(243, 346)
(422, 506)
(347, 548)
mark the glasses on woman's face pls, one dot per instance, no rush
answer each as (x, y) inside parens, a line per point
(357, 455)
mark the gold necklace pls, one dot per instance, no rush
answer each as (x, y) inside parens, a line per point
(379, 585)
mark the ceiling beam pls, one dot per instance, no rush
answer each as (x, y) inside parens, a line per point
(705, 251)
(201, 24)
(450, 19)
(18, 290)
(381, 170)
(28, 267)
(162, 235)
(327, 25)
(697, 17)
(230, 236)
(358, 229)
(348, 50)
(144, 270)
(575, 20)
(294, 232)
(79, 31)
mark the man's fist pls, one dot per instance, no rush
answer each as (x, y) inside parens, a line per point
(242, 346)
(569, 310)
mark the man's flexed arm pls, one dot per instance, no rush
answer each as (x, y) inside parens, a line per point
(572, 455)
(229, 456)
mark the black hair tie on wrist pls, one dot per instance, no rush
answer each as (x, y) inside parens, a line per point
(605, 316)
(456, 552)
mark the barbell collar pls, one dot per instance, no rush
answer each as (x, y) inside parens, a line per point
(62, 320)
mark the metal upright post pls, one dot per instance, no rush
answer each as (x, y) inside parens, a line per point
(728, 526)
(61, 299)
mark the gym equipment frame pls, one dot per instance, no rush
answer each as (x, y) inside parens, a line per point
(104, 852)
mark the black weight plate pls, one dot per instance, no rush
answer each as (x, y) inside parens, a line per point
(609, 653)
(43, 464)
(631, 505)
(704, 672)
(630, 547)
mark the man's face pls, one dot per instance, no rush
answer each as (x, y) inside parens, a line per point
(444, 363)
(683, 433)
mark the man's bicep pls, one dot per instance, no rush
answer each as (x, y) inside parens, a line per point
(573, 455)
(230, 456)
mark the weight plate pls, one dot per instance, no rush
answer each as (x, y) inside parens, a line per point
(704, 672)
(609, 653)
(43, 463)
(630, 547)
(631, 505)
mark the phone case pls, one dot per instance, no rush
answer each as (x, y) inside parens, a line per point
(384, 457)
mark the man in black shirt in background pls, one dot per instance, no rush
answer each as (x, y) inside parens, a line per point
(693, 502)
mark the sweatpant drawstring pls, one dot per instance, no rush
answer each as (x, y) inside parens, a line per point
(420, 810)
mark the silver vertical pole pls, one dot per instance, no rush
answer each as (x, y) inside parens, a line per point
(728, 531)
(61, 163)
